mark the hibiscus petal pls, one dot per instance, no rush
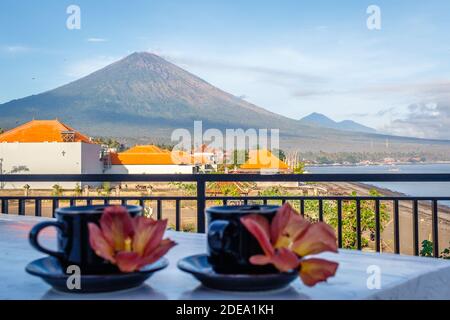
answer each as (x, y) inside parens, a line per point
(117, 226)
(157, 233)
(280, 221)
(285, 260)
(128, 261)
(160, 251)
(143, 233)
(319, 237)
(99, 244)
(260, 260)
(313, 271)
(295, 226)
(259, 227)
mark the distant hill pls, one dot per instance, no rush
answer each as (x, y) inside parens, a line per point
(144, 98)
(321, 120)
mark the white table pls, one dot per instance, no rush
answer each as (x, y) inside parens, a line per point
(402, 277)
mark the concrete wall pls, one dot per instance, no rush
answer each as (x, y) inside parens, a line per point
(49, 158)
(90, 159)
(150, 169)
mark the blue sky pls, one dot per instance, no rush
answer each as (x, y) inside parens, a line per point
(291, 57)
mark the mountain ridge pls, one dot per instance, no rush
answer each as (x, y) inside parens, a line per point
(319, 119)
(144, 96)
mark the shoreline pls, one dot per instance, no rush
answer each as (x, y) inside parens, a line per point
(377, 164)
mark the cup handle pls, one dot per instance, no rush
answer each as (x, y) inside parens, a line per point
(34, 234)
(216, 231)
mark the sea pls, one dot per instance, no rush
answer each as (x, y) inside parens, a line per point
(426, 189)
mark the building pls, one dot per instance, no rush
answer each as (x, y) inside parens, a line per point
(263, 162)
(207, 158)
(150, 159)
(47, 147)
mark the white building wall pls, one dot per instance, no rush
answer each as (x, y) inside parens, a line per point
(150, 169)
(49, 158)
(90, 159)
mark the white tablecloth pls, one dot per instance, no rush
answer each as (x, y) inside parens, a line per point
(402, 277)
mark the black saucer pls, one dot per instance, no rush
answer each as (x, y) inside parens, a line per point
(200, 268)
(51, 271)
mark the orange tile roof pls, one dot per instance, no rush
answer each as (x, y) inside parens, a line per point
(146, 149)
(41, 131)
(262, 160)
(155, 158)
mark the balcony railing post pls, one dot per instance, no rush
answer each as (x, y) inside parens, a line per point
(201, 204)
(435, 229)
(358, 225)
(177, 215)
(5, 209)
(21, 207)
(38, 207)
(396, 227)
(416, 227)
(339, 222)
(159, 213)
(377, 226)
(320, 210)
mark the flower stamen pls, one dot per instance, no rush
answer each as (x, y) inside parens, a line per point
(127, 245)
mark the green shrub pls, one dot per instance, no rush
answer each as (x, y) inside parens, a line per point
(57, 190)
(427, 250)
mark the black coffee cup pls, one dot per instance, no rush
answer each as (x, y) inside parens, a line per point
(73, 238)
(230, 245)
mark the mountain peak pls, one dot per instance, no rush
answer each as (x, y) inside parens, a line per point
(143, 91)
(142, 60)
(318, 119)
(142, 55)
(321, 120)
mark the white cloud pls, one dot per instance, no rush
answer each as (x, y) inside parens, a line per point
(424, 120)
(96, 40)
(84, 67)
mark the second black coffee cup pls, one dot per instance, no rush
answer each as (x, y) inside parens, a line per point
(73, 238)
(230, 245)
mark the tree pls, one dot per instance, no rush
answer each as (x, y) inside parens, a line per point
(300, 168)
(280, 154)
(2, 130)
(293, 160)
(239, 158)
(27, 188)
(106, 188)
(57, 190)
(110, 143)
(17, 169)
(78, 191)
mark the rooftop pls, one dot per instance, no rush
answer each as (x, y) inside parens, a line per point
(149, 155)
(146, 149)
(263, 159)
(43, 131)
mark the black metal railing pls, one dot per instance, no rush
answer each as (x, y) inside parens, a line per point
(201, 198)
